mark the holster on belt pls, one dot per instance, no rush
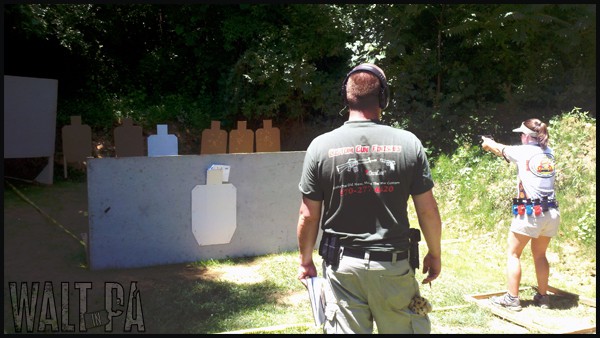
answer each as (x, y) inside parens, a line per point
(414, 236)
(329, 249)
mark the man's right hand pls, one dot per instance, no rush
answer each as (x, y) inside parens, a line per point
(306, 271)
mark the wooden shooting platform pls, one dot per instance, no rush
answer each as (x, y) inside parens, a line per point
(557, 319)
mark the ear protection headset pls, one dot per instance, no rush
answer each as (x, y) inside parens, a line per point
(384, 92)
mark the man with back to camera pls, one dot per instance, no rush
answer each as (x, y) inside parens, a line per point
(362, 174)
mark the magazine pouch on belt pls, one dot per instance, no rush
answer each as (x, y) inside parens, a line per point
(329, 249)
(414, 237)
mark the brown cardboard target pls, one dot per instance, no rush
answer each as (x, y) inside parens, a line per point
(129, 140)
(214, 140)
(268, 138)
(241, 140)
(76, 143)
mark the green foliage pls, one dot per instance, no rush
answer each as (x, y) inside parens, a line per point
(95, 113)
(478, 186)
(448, 65)
(573, 137)
(293, 67)
(473, 183)
(105, 113)
(194, 114)
(64, 22)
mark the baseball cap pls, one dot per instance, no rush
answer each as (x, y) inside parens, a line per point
(525, 130)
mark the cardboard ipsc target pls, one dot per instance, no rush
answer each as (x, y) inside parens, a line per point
(241, 140)
(129, 140)
(77, 143)
(268, 138)
(214, 140)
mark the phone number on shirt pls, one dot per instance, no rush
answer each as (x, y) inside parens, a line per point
(366, 188)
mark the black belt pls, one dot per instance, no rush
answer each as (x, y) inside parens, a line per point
(545, 204)
(375, 255)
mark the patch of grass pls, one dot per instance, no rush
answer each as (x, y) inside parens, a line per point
(474, 265)
(219, 305)
(33, 190)
(13, 187)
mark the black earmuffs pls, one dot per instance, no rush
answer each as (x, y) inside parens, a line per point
(384, 92)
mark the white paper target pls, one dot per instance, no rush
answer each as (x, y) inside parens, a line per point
(163, 143)
(214, 217)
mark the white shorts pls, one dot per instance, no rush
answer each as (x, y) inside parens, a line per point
(546, 224)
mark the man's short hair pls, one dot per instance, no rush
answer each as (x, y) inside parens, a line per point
(365, 86)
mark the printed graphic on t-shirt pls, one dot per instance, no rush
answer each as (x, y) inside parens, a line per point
(369, 173)
(366, 187)
(352, 164)
(542, 165)
(362, 149)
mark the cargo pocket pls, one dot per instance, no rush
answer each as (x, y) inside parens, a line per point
(331, 325)
(398, 290)
(420, 324)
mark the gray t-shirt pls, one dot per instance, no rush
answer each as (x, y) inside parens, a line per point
(535, 170)
(364, 172)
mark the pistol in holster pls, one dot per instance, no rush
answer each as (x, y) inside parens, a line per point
(329, 249)
(414, 236)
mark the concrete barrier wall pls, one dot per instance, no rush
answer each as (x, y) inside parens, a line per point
(140, 208)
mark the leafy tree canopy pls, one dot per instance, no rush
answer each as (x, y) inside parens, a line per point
(454, 70)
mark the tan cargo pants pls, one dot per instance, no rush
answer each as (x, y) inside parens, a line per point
(361, 292)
